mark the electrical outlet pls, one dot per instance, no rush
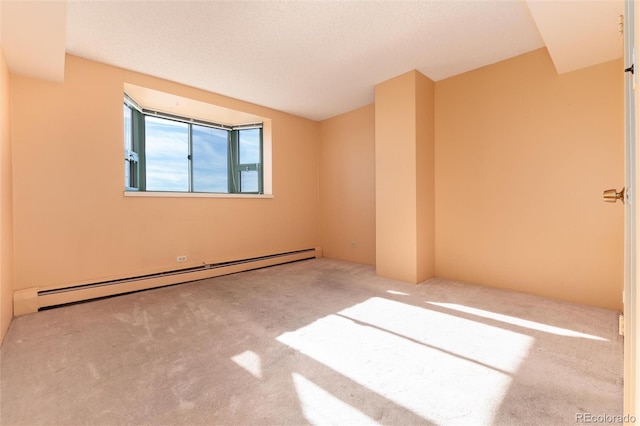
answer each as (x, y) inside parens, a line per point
(354, 244)
(181, 259)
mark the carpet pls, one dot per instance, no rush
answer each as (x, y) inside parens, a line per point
(313, 342)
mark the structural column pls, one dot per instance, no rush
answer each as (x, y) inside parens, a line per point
(405, 187)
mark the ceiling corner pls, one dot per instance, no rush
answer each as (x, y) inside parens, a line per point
(33, 35)
(579, 34)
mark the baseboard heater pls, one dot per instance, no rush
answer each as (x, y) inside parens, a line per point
(33, 299)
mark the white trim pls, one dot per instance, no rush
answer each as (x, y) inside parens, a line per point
(631, 295)
(159, 194)
(30, 300)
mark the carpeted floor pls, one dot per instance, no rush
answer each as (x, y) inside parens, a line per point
(318, 341)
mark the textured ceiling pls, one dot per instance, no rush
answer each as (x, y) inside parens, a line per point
(311, 58)
(315, 58)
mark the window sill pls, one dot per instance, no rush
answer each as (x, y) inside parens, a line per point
(159, 194)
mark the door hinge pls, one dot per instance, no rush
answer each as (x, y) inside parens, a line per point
(630, 69)
(621, 24)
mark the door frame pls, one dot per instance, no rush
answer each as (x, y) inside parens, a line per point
(632, 221)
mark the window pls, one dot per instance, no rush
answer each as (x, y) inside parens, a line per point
(170, 153)
(210, 159)
(130, 155)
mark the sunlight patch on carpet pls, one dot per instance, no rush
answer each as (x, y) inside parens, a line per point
(322, 408)
(533, 325)
(398, 293)
(250, 361)
(439, 366)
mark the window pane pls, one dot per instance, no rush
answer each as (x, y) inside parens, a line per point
(127, 128)
(167, 150)
(249, 181)
(210, 161)
(127, 175)
(249, 146)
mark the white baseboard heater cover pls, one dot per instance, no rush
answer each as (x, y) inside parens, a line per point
(33, 299)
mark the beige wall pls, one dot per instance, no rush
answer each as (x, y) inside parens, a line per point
(347, 186)
(522, 158)
(72, 222)
(404, 163)
(425, 176)
(6, 202)
(395, 135)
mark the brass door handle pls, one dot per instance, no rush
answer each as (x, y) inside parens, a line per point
(611, 195)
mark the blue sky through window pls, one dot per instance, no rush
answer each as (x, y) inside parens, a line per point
(167, 157)
(249, 146)
(210, 162)
(249, 153)
(166, 151)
